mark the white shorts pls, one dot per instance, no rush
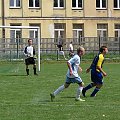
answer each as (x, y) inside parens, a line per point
(61, 52)
(77, 80)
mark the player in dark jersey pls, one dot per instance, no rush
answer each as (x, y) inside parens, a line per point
(97, 72)
(29, 53)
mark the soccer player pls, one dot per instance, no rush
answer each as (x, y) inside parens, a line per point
(60, 47)
(71, 52)
(72, 75)
(29, 53)
(97, 72)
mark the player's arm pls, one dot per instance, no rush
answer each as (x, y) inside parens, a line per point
(101, 70)
(88, 69)
(70, 63)
(80, 69)
(70, 67)
(33, 51)
(25, 51)
(99, 64)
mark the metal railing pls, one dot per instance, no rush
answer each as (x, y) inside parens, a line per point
(48, 46)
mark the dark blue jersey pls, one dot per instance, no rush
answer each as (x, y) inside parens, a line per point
(93, 66)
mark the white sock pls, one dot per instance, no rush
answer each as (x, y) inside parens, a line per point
(61, 88)
(79, 90)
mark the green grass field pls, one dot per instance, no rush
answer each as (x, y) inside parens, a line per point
(27, 97)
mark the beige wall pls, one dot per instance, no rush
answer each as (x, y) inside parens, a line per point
(0, 9)
(46, 16)
(89, 8)
(47, 9)
(30, 12)
(47, 27)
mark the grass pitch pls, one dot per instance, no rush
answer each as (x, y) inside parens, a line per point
(27, 97)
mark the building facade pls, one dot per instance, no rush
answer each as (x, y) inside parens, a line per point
(61, 18)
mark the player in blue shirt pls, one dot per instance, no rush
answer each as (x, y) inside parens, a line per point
(72, 75)
(97, 72)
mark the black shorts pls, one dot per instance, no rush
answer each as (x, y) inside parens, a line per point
(29, 61)
(60, 47)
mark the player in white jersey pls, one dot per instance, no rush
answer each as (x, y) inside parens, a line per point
(29, 53)
(72, 75)
(71, 52)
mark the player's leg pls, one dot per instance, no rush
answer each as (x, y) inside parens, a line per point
(89, 86)
(57, 91)
(34, 68)
(78, 80)
(27, 70)
(27, 63)
(97, 89)
(99, 83)
(62, 53)
(61, 88)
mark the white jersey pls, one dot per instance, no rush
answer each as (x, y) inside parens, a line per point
(29, 51)
(75, 62)
(70, 47)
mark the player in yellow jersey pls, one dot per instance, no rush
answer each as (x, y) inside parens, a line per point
(97, 72)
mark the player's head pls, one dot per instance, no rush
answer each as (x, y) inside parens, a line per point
(103, 49)
(29, 41)
(80, 51)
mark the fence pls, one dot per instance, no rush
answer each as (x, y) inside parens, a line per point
(14, 50)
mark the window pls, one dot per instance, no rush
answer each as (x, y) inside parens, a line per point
(77, 4)
(100, 4)
(102, 31)
(116, 4)
(58, 3)
(117, 31)
(15, 3)
(15, 34)
(33, 33)
(59, 31)
(34, 4)
(78, 33)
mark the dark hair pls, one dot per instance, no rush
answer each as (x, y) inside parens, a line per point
(29, 40)
(102, 48)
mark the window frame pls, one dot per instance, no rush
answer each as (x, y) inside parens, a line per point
(77, 30)
(58, 7)
(117, 29)
(15, 4)
(118, 5)
(34, 32)
(15, 35)
(33, 4)
(77, 5)
(60, 29)
(101, 7)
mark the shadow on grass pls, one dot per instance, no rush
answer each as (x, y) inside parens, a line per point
(13, 75)
(68, 97)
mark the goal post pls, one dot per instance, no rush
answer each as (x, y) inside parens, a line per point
(28, 27)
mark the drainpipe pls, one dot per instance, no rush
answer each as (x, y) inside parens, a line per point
(3, 19)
